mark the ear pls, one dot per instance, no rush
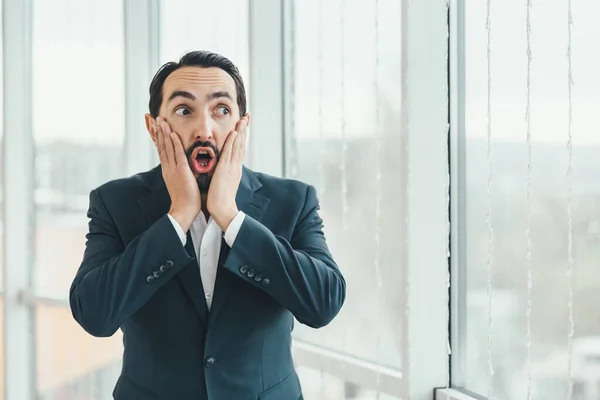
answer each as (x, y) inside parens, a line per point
(247, 116)
(150, 126)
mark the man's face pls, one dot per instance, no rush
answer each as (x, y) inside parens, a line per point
(200, 104)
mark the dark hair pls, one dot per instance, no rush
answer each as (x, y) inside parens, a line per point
(203, 59)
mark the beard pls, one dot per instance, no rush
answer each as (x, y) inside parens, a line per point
(205, 178)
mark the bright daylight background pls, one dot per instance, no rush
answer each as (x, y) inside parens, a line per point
(354, 97)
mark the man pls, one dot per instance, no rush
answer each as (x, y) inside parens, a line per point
(201, 262)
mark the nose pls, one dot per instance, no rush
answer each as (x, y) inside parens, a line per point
(203, 129)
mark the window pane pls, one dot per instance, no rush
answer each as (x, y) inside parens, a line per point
(346, 141)
(547, 209)
(219, 26)
(73, 365)
(2, 355)
(326, 385)
(78, 122)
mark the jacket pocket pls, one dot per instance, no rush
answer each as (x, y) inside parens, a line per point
(128, 390)
(289, 388)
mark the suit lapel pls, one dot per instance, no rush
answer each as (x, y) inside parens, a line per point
(155, 205)
(254, 205)
(157, 202)
(190, 280)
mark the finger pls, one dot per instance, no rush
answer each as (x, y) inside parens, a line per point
(180, 157)
(228, 147)
(160, 142)
(239, 146)
(170, 149)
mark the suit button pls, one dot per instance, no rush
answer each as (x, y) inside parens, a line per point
(162, 269)
(266, 281)
(169, 264)
(149, 279)
(210, 361)
(156, 274)
(244, 269)
(251, 273)
(258, 278)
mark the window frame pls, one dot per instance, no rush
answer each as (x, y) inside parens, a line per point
(457, 155)
(456, 390)
(19, 297)
(425, 118)
(424, 47)
(17, 21)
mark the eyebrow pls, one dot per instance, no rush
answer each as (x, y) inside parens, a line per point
(222, 93)
(190, 96)
(181, 93)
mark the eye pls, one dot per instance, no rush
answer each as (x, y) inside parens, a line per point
(223, 110)
(182, 111)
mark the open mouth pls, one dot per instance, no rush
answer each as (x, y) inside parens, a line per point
(203, 160)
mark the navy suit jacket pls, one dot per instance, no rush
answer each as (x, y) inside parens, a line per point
(137, 276)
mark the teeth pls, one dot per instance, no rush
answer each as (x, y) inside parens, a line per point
(203, 152)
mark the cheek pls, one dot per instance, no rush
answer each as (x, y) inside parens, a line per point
(221, 131)
(185, 132)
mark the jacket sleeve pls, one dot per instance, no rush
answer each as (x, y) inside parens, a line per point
(114, 281)
(300, 274)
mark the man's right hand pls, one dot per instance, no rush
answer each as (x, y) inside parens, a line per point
(179, 179)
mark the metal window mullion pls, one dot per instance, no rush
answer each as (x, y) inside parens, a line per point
(458, 216)
(18, 170)
(141, 62)
(267, 100)
(425, 102)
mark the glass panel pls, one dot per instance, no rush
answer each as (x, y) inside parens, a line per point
(346, 141)
(219, 26)
(2, 357)
(323, 385)
(71, 364)
(553, 212)
(78, 122)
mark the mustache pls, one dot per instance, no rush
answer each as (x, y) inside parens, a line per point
(207, 144)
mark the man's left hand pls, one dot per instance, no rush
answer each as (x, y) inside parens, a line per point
(226, 179)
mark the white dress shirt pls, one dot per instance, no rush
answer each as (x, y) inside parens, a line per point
(206, 237)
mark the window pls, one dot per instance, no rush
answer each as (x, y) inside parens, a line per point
(78, 124)
(220, 26)
(344, 138)
(344, 93)
(97, 385)
(544, 199)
